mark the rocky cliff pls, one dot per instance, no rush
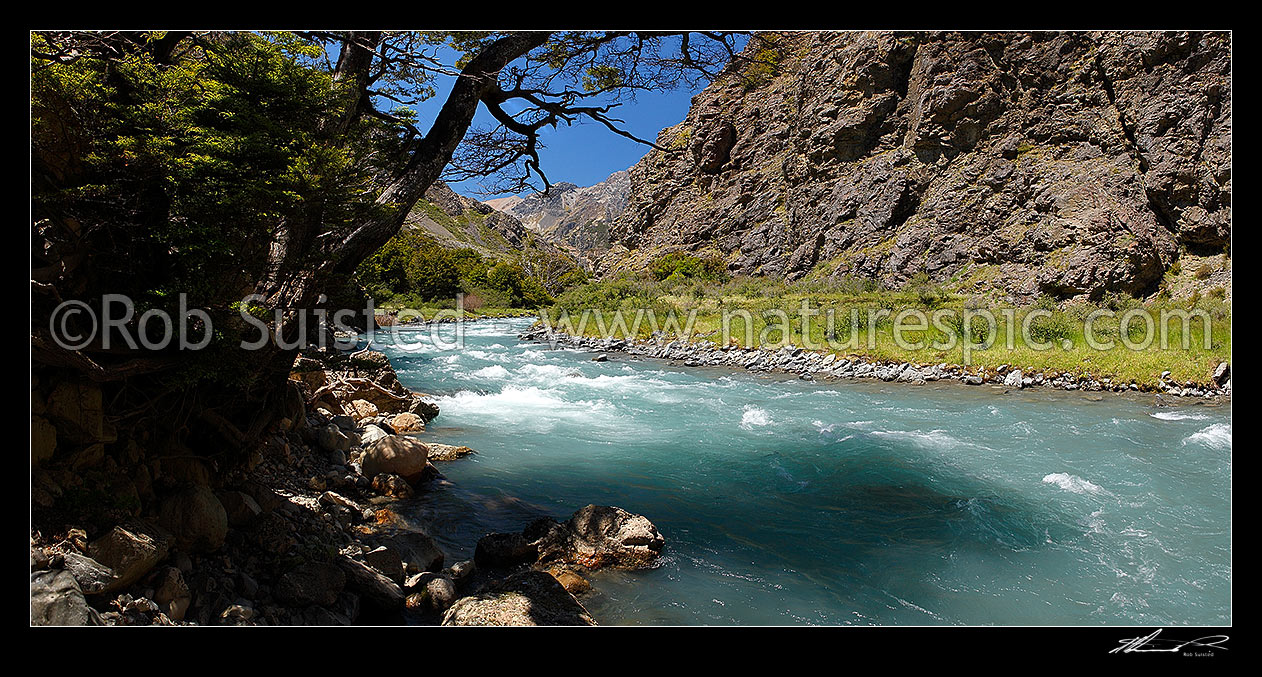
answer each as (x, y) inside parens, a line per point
(574, 217)
(1067, 164)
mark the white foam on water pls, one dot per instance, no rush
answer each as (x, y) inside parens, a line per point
(934, 439)
(1178, 416)
(1072, 483)
(535, 407)
(754, 417)
(1216, 436)
(495, 371)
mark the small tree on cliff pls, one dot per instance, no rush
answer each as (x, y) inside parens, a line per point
(223, 164)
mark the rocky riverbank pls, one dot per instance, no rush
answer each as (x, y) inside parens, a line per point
(306, 532)
(812, 365)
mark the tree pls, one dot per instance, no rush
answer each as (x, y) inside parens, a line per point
(222, 164)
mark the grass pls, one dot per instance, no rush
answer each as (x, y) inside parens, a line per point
(1062, 325)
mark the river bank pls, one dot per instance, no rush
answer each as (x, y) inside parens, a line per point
(310, 531)
(809, 365)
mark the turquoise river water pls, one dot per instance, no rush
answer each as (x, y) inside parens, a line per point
(790, 502)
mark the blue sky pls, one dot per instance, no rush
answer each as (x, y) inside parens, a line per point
(587, 152)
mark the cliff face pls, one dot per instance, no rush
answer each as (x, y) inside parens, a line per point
(1062, 164)
(573, 217)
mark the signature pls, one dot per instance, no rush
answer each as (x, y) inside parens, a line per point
(1151, 644)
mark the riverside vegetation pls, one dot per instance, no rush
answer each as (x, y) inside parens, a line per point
(679, 286)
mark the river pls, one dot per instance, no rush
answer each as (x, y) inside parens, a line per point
(791, 502)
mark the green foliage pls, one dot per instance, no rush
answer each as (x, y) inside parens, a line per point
(413, 268)
(680, 266)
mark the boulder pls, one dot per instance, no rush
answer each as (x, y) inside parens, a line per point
(504, 550)
(447, 452)
(130, 551)
(1222, 373)
(392, 485)
(370, 359)
(396, 455)
(362, 409)
(528, 598)
(92, 576)
(387, 562)
(332, 438)
(417, 550)
(597, 536)
(571, 581)
(375, 589)
(440, 591)
(57, 600)
(195, 518)
(407, 422)
(172, 594)
(371, 433)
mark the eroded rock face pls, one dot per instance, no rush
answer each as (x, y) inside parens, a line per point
(529, 598)
(1023, 164)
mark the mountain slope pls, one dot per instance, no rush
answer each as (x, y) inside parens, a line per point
(1018, 164)
(570, 216)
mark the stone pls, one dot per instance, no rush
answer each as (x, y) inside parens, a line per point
(387, 562)
(195, 518)
(571, 581)
(375, 589)
(1014, 379)
(1222, 373)
(597, 536)
(504, 550)
(362, 409)
(525, 599)
(129, 550)
(441, 593)
(172, 594)
(332, 438)
(370, 359)
(57, 600)
(396, 455)
(392, 485)
(417, 550)
(92, 576)
(447, 452)
(407, 422)
(311, 583)
(461, 571)
(371, 433)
